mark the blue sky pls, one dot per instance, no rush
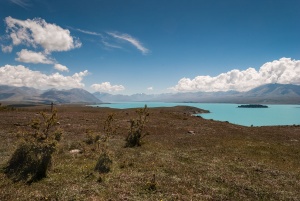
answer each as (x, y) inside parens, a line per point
(157, 46)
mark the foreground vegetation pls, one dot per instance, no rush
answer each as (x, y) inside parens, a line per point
(183, 158)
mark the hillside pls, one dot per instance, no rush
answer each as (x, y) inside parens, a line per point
(274, 93)
(11, 93)
(31, 95)
(69, 96)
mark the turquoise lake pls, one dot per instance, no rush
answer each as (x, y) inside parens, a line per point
(274, 115)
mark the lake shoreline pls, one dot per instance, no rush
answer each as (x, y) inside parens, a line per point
(275, 115)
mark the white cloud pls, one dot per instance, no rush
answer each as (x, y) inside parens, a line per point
(61, 67)
(28, 56)
(131, 40)
(22, 3)
(150, 88)
(108, 39)
(22, 76)
(102, 36)
(108, 45)
(89, 32)
(7, 49)
(106, 86)
(284, 71)
(38, 32)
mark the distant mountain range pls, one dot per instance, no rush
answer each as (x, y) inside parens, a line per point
(31, 95)
(265, 94)
(269, 93)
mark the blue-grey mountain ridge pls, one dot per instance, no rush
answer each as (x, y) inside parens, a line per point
(265, 94)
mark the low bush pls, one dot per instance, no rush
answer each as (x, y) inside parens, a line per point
(137, 126)
(110, 129)
(32, 158)
(104, 162)
(91, 138)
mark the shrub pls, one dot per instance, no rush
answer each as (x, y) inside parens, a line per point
(137, 126)
(91, 138)
(110, 129)
(32, 157)
(104, 162)
(29, 162)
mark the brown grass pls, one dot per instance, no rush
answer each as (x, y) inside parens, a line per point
(221, 161)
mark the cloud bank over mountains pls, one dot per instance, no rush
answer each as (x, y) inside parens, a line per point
(283, 71)
(107, 87)
(22, 76)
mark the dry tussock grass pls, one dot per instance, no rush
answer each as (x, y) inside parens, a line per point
(220, 161)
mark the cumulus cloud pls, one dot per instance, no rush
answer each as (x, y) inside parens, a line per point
(28, 56)
(38, 33)
(7, 49)
(61, 67)
(150, 88)
(22, 76)
(107, 87)
(131, 40)
(284, 71)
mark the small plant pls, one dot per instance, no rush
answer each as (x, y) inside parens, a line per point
(109, 128)
(91, 138)
(32, 157)
(104, 162)
(151, 186)
(137, 126)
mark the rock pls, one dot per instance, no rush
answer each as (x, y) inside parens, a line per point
(191, 132)
(75, 151)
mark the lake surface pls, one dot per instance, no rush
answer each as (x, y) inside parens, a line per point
(274, 115)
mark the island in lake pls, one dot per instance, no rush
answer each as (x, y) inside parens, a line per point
(253, 106)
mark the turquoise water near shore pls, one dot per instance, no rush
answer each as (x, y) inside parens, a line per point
(274, 115)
